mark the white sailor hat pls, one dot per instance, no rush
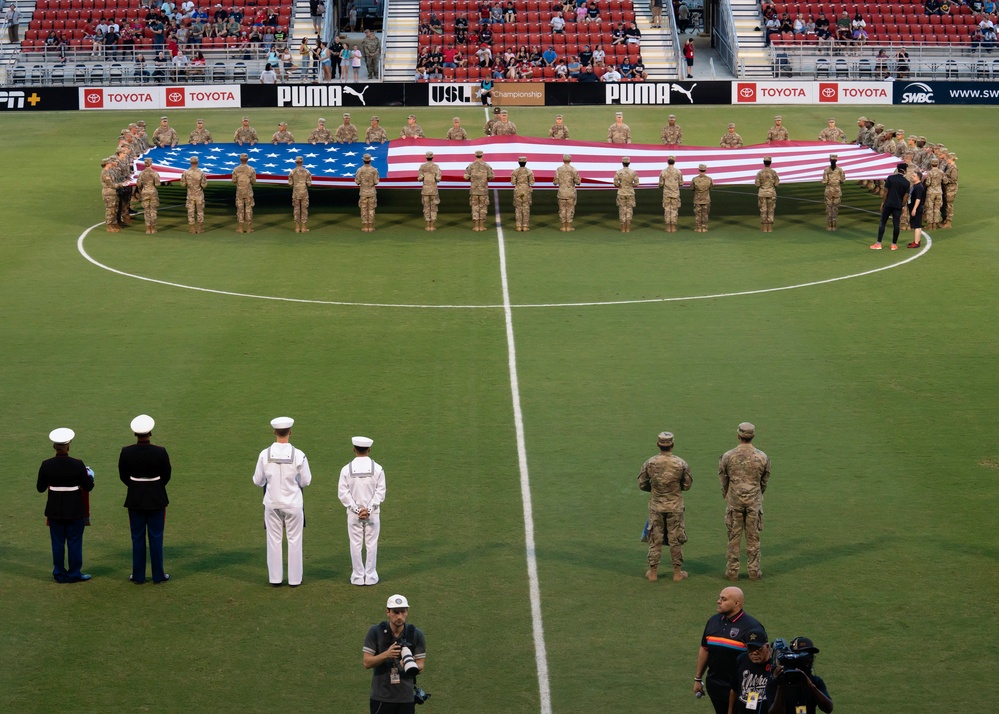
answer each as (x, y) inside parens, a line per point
(362, 442)
(282, 422)
(397, 602)
(61, 436)
(142, 424)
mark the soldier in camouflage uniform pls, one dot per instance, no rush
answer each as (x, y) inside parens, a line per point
(320, 135)
(109, 192)
(367, 178)
(200, 135)
(146, 184)
(767, 182)
(300, 179)
(701, 184)
(672, 134)
(744, 472)
(165, 134)
(504, 127)
(282, 135)
(121, 171)
(832, 132)
(491, 122)
(412, 130)
(558, 130)
(193, 179)
(833, 179)
(619, 132)
(777, 132)
(626, 180)
(730, 140)
(935, 181)
(567, 178)
(142, 136)
(375, 134)
(861, 131)
(346, 133)
(900, 146)
(244, 177)
(371, 49)
(522, 179)
(479, 174)
(670, 181)
(665, 476)
(456, 132)
(950, 189)
(245, 134)
(429, 175)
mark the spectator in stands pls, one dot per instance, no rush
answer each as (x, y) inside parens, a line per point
(657, 14)
(561, 69)
(557, 24)
(272, 17)
(232, 27)
(989, 7)
(822, 25)
(220, 13)
(486, 35)
(268, 76)
(522, 55)
(424, 28)
(96, 42)
(111, 41)
(945, 7)
(859, 26)
(484, 56)
(495, 15)
(587, 75)
(448, 54)
(593, 13)
(507, 56)
(198, 66)
(617, 35)
(977, 5)
(160, 65)
(901, 64)
(586, 56)
(611, 75)
(932, 7)
(810, 25)
(771, 28)
(317, 17)
(140, 69)
(436, 64)
(575, 67)
(599, 55)
(436, 26)
(625, 68)
(196, 32)
(989, 38)
(638, 73)
(881, 65)
(183, 34)
(786, 25)
(581, 14)
(510, 12)
(798, 27)
(688, 55)
(267, 39)
(180, 63)
(287, 63)
(355, 62)
(459, 58)
(422, 74)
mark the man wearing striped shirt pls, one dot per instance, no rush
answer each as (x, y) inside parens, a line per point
(724, 639)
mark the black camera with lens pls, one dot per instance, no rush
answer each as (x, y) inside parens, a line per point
(420, 695)
(411, 669)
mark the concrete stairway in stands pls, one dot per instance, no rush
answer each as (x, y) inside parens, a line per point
(658, 52)
(400, 40)
(753, 55)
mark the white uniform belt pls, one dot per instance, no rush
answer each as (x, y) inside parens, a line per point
(64, 488)
(136, 478)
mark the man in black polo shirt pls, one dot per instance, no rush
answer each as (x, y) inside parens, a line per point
(896, 196)
(724, 639)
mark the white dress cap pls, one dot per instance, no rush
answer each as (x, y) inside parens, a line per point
(361, 441)
(282, 423)
(397, 602)
(142, 424)
(61, 436)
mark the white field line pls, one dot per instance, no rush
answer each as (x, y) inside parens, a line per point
(537, 626)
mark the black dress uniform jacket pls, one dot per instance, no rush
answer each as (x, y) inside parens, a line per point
(63, 471)
(145, 461)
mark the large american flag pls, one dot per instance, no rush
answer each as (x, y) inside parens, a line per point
(397, 161)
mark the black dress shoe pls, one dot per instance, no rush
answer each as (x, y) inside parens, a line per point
(294, 586)
(166, 576)
(276, 585)
(131, 579)
(82, 579)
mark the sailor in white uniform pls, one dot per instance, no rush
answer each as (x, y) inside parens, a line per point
(283, 471)
(361, 491)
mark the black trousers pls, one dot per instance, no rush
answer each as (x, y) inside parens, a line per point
(719, 696)
(397, 708)
(896, 216)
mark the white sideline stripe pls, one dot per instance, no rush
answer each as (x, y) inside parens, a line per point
(595, 303)
(537, 626)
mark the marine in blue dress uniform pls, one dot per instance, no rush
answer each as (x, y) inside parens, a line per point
(145, 469)
(67, 480)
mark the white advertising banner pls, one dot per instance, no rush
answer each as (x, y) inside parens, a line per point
(170, 97)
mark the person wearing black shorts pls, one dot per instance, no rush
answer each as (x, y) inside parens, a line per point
(917, 197)
(896, 197)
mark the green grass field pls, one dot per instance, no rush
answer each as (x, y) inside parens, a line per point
(871, 395)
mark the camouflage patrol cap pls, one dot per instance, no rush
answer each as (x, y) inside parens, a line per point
(163, 119)
(731, 126)
(375, 118)
(411, 116)
(864, 119)
(619, 114)
(299, 159)
(665, 438)
(282, 123)
(747, 430)
(778, 118)
(346, 115)
(833, 157)
(522, 159)
(455, 119)
(934, 161)
(504, 112)
(670, 159)
(625, 160)
(566, 158)
(243, 119)
(879, 126)
(140, 123)
(366, 158)
(430, 154)
(831, 120)
(244, 157)
(559, 116)
(702, 167)
(133, 125)
(952, 156)
(672, 116)
(767, 159)
(148, 162)
(194, 160)
(478, 154)
(104, 162)
(899, 131)
(200, 121)
(321, 120)
(870, 122)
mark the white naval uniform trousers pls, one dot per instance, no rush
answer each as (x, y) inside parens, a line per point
(362, 485)
(283, 471)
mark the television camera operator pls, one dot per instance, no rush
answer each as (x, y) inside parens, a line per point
(798, 688)
(397, 652)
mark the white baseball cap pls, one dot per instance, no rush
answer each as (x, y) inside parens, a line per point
(397, 602)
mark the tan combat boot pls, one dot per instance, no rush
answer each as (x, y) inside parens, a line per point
(305, 227)
(240, 228)
(427, 227)
(249, 226)
(298, 227)
(568, 226)
(651, 575)
(191, 228)
(678, 574)
(201, 227)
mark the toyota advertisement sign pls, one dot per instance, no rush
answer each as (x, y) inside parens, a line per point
(811, 92)
(178, 97)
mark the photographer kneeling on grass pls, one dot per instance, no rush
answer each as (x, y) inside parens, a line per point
(798, 688)
(397, 652)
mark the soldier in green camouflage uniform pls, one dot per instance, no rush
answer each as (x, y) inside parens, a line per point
(193, 179)
(558, 130)
(479, 174)
(429, 175)
(701, 184)
(832, 132)
(619, 132)
(282, 135)
(833, 178)
(200, 135)
(109, 192)
(730, 140)
(300, 179)
(165, 134)
(665, 476)
(142, 136)
(566, 178)
(861, 131)
(412, 130)
(900, 145)
(245, 134)
(244, 177)
(456, 132)
(626, 180)
(121, 166)
(367, 178)
(320, 135)
(950, 189)
(375, 134)
(491, 122)
(777, 132)
(744, 472)
(346, 133)
(672, 134)
(504, 127)
(146, 184)
(371, 49)
(670, 181)
(935, 181)
(767, 182)
(522, 179)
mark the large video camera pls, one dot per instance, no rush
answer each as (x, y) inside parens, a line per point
(796, 665)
